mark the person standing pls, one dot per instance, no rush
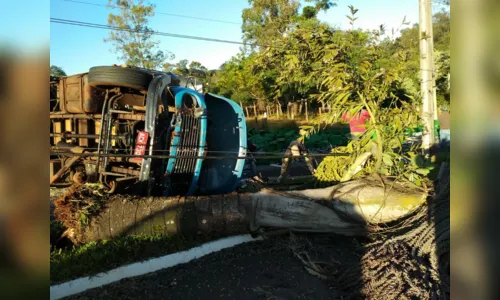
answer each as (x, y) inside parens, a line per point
(252, 148)
(357, 123)
(296, 150)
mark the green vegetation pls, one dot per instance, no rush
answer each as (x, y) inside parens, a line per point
(278, 140)
(95, 257)
(139, 50)
(294, 56)
(57, 71)
(287, 50)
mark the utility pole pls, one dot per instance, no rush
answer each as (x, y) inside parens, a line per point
(426, 67)
(434, 76)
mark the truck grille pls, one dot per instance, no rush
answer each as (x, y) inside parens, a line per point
(184, 168)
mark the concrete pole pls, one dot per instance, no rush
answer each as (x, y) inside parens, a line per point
(426, 67)
(434, 72)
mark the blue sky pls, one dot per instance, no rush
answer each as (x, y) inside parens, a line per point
(76, 49)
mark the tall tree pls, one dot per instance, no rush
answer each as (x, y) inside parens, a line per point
(180, 67)
(267, 20)
(195, 65)
(309, 12)
(322, 5)
(133, 40)
(57, 71)
(409, 39)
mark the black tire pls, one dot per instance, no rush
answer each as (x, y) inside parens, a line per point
(109, 76)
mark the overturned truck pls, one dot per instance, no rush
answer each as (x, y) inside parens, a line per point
(146, 131)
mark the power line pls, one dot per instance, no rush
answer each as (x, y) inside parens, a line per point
(109, 27)
(254, 154)
(167, 34)
(159, 13)
(72, 154)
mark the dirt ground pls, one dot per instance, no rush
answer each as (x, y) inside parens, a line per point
(258, 270)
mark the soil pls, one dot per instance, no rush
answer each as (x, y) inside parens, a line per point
(258, 270)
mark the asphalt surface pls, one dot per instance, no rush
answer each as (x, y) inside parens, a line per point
(257, 270)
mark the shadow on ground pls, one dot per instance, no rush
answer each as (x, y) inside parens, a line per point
(259, 270)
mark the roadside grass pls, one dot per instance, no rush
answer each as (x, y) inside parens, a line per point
(71, 262)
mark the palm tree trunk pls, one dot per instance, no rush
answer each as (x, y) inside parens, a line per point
(343, 209)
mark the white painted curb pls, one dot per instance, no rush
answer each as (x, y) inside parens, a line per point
(136, 269)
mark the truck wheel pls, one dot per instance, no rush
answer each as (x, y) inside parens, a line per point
(110, 76)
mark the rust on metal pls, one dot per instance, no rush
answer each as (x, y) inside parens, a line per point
(125, 171)
(77, 96)
(131, 116)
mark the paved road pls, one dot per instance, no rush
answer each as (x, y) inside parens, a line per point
(259, 270)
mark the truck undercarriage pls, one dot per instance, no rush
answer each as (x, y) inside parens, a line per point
(135, 126)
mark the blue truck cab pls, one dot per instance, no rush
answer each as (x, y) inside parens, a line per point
(207, 144)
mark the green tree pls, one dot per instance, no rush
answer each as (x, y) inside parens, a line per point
(198, 70)
(441, 27)
(350, 70)
(322, 5)
(268, 20)
(57, 71)
(181, 67)
(236, 81)
(168, 67)
(445, 3)
(134, 41)
(195, 65)
(309, 12)
(409, 39)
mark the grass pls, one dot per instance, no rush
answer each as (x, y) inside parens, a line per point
(71, 262)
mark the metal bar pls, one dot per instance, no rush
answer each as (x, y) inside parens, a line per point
(116, 111)
(113, 174)
(206, 157)
(195, 142)
(58, 115)
(84, 136)
(155, 89)
(121, 170)
(65, 168)
(127, 178)
(120, 116)
(109, 126)
(187, 144)
(106, 99)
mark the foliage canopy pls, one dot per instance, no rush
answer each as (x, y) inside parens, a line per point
(134, 40)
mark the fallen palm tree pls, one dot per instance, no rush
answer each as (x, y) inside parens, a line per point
(347, 209)
(409, 258)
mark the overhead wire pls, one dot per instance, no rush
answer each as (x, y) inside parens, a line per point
(257, 154)
(167, 34)
(159, 13)
(87, 154)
